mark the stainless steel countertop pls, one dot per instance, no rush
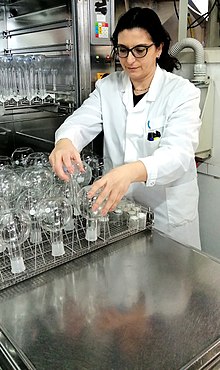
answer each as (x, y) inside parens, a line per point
(145, 302)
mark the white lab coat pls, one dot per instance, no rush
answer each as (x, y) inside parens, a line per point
(171, 107)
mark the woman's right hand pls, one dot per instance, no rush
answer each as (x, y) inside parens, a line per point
(62, 156)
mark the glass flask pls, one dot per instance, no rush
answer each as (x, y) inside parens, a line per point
(2, 246)
(28, 201)
(38, 177)
(82, 178)
(5, 162)
(3, 208)
(54, 213)
(85, 204)
(14, 230)
(19, 156)
(99, 165)
(93, 162)
(77, 180)
(37, 159)
(70, 191)
(85, 207)
(10, 186)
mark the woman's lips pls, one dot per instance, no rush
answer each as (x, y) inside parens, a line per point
(132, 68)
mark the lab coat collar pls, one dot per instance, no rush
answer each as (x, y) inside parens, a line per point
(154, 90)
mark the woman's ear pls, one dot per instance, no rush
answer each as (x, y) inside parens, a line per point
(159, 50)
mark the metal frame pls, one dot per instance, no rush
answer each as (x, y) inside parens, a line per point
(82, 40)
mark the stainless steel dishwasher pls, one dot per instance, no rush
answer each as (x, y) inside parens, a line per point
(144, 302)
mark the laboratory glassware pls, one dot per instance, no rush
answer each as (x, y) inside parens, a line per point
(28, 201)
(14, 230)
(10, 185)
(38, 177)
(19, 156)
(3, 208)
(37, 159)
(54, 213)
(85, 208)
(5, 162)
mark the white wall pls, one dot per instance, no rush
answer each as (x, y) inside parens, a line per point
(209, 170)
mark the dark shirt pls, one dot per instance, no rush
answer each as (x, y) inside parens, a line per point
(137, 98)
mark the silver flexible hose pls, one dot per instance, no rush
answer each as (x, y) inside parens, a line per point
(199, 66)
(189, 42)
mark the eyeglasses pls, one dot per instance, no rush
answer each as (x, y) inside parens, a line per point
(138, 51)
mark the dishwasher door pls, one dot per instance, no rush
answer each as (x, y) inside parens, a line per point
(11, 357)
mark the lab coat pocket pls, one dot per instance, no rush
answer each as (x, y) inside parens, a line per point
(154, 130)
(182, 202)
(156, 123)
(150, 146)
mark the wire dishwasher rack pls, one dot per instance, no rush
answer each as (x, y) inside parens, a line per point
(38, 257)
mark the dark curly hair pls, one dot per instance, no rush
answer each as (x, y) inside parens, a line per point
(148, 20)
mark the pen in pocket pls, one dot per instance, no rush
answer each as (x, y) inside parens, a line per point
(153, 135)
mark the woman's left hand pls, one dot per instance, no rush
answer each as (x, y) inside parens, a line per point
(114, 185)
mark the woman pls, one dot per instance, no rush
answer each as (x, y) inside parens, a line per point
(150, 119)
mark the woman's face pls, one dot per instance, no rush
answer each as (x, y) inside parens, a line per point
(138, 68)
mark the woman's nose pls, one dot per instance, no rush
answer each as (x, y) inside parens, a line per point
(130, 58)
